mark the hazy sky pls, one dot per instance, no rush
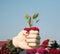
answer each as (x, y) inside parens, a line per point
(12, 19)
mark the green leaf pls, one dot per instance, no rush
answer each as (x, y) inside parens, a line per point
(35, 15)
(26, 16)
(29, 22)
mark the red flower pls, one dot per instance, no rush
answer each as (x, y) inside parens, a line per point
(45, 43)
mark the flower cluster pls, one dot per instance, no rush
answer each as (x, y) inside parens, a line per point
(8, 48)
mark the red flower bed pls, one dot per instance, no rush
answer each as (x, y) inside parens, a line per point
(3, 49)
(43, 51)
(54, 51)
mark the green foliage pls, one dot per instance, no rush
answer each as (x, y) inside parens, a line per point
(29, 22)
(11, 48)
(58, 45)
(31, 18)
(35, 15)
(26, 16)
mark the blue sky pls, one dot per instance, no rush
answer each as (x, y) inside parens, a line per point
(12, 19)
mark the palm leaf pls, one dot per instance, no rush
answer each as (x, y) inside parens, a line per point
(35, 15)
(26, 16)
(29, 22)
